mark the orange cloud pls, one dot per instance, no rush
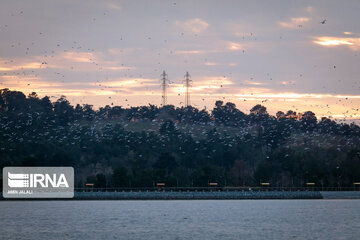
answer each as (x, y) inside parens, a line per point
(195, 25)
(290, 95)
(189, 52)
(130, 83)
(253, 83)
(30, 65)
(83, 57)
(77, 61)
(235, 46)
(287, 82)
(203, 85)
(352, 43)
(113, 6)
(294, 22)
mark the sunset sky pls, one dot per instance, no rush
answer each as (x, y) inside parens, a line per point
(281, 54)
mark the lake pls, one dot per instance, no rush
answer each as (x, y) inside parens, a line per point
(188, 219)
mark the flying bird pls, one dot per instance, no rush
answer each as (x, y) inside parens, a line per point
(323, 21)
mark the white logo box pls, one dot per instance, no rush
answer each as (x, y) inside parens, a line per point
(38, 182)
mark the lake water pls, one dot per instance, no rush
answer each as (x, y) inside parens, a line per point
(198, 219)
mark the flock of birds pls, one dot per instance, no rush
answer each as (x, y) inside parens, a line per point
(65, 76)
(23, 130)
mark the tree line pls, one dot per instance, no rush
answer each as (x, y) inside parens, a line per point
(180, 146)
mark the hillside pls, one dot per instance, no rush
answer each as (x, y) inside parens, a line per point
(139, 146)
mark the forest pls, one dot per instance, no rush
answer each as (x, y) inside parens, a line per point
(116, 147)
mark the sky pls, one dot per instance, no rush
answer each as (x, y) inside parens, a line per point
(298, 55)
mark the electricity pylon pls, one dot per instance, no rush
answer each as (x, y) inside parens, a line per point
(187, 83)
(164, 84)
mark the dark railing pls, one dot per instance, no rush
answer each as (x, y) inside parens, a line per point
(217, 189)
(210, 189)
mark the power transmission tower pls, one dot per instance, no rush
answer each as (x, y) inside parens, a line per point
(187, 82)
(164, 84)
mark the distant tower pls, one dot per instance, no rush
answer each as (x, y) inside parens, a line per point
(187, 83)
(164, 84)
